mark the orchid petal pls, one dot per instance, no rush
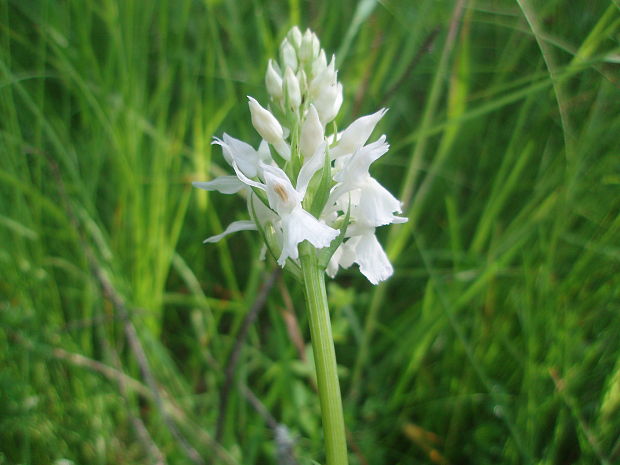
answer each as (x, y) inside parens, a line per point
(356, 135)
(223, 184)
(377, 205)
(310, 167)
(244, 179)
(373, 262)
(358, 165)
(299, 226)
(243, 225)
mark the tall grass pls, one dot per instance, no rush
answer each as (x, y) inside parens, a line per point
(495, 342)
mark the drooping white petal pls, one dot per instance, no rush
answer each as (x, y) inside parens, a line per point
(343, 257)
(357, 133)
(311, 166)
(312, 133)
(298, 226)
(348, 256)
(223, 184)
(377, 205)
(243, 225)
(373, 262)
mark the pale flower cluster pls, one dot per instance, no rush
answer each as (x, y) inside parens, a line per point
(303, 184)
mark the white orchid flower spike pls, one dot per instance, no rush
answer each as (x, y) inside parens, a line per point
(335, 204)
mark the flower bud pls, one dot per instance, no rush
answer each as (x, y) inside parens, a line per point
(319, 64)
(294, 36)
(292, 89)
(316, 46)
(312, 133)
(288, 56)
(325, 79)
(306, 51)
(265, 123)
(273, 81)
(328, 102)
(303, 81)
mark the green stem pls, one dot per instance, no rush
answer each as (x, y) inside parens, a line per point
(324, 356)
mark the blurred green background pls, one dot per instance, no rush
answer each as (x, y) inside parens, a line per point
(495, 342)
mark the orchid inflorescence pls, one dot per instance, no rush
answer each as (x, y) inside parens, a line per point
(335, 204)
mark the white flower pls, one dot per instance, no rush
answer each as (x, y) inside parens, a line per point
(305, 88)
(243, 158)
(365, 250)
(246, 158)
(287, 213)
(374, 203)
(296, 223)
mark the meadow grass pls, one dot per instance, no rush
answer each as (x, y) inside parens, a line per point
(495, 342)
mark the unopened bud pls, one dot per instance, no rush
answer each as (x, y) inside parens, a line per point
(303, 81)
(316, 45)
(292, 89)
(288, 55)
(294, 36)
(326, 78)
(306, 52)
(328, 102)
(273, 81)
(319, 64)
(312, 133)
(265, 123)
